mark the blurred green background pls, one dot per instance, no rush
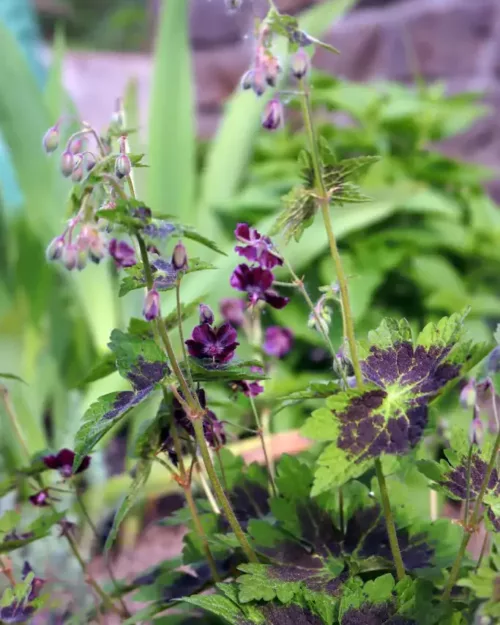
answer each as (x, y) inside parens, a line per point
(428, 243)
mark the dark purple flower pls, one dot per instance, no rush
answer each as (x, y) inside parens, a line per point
(257, 282)
(248, 388)
(151, 308)
(258, 248)
(122, 253)
(206, 314)
(212, 427)
(232, 309)
(217, 344)
(273, 115)
(63, 462)
(40, 499)
(278, 341)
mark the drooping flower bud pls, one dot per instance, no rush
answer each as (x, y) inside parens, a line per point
(123, 166)
(70, 256)
(301, 64)
(81, 259)
(77, 145)
(77, 174)
(233, 310)
(97, 248)
(179, 257)
(476, 431)
(51, 139)
(90, 161)
(273, 115)
(468, 394)
(67, 163)
(206, 314)
(272, 69)
(55, 248)
(259, 81)
(151, 305)
(246, 81)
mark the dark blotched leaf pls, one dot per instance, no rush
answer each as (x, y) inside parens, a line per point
(208, 372)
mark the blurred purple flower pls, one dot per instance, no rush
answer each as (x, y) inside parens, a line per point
(257, 282)
(122, 253)
(213, 429)
(217, 344)
(278, 341)
(273, 115)
(63, 462)
(206, 314)
(258, 248)
(40, 499)
(151, 308)
(232, 310)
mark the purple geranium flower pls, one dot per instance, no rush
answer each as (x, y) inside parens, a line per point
(258, 248)
(278, 341)
(122, 253)
(232, 309)
(63, 462)
(41, 499)
(257, 282)
(217, 344)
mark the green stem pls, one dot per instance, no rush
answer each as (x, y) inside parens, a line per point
(324, 202)
(181, 332)
(260, 433)
(11, 414)
(467, 495)
(476, 513)
(201, 532)
(219, 492)
(389, 520)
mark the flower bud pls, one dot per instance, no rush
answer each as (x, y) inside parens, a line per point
(81, 259)
(476, 432)
(259, 81)
(206, 314)
(77, 145)
(273, 115)
(123, 166)
(246, 81)
(55, 248)
(90, 161)
(70, 256)
(468, 394)
(97, 248)
(179, 257)
(301, 64)
(272, 70)
(51, 139)
(67, 163)
(151, 305)
(77, 174)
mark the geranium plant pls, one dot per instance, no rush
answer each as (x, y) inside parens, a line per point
(332, 537)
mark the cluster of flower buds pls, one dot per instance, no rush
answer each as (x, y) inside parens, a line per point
(257, 280)
(75, 251)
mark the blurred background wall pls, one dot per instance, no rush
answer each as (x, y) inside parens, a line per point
(453, 40)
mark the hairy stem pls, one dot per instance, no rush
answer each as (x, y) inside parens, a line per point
(220, 494)
(324, 203)
(389, 520)
(260, 433)
(181, 333)
(467, 496)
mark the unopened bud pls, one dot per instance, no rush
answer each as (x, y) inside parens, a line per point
(206, 314)
(90, 161)
(259, 81)
(67, 163)
(77, 145)
(123, 166)
(179, 257)
(272, 70)
(77, 174)
(55, 249)
(273, 115)
(301, 64)
(81, 259)
(97, 248)
(247, 80)
(476, 432)
(468, 394)
(151, 305)
(70, 256)
(51, 139)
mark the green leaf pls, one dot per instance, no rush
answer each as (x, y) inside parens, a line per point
(142, 471)
(134, 279)
(172, 136)
(191, 233)
(104, 367)
(131, 351)
(204, 372)
(257, 585)
(40, 528)
(220, 606)
(389, 415)
(11, 376)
